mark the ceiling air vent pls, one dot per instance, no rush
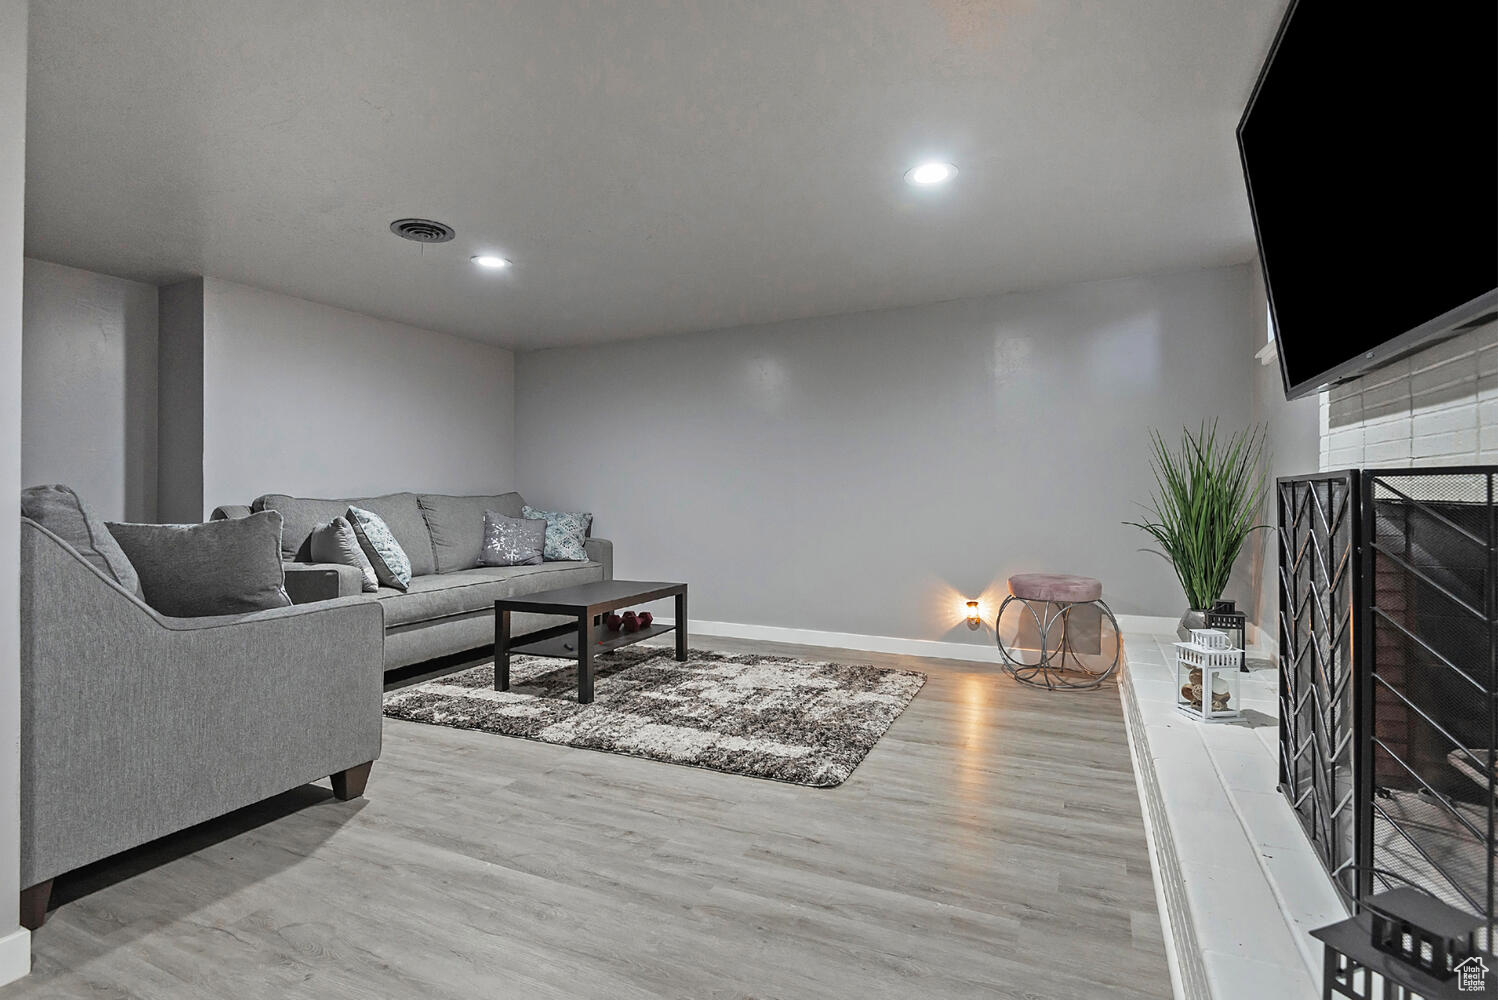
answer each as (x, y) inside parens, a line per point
(422, 230)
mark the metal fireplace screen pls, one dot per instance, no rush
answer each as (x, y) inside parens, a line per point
(1428, 692)
(1319, 572)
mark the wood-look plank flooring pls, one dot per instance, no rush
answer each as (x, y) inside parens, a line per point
(989, 846)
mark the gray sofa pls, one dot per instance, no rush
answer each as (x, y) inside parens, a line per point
(135, 725)
(449, 607)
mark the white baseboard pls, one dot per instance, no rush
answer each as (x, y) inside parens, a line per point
(15, 955)
(981, 652)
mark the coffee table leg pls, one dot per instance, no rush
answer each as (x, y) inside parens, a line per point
(585, 660)
(681, 626)
(501, 651)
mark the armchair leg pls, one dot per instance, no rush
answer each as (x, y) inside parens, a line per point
(349, 784)
(34, 905)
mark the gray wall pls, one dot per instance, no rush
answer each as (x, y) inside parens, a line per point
(308, 399)
(864, 473)
(1293, 443)
(164, 403)
(88, 404)
(14, 947)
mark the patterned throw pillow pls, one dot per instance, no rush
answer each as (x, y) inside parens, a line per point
(385, 554)
(564, 533)
(512, 541)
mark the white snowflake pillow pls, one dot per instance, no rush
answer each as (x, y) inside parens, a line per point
(512, 541)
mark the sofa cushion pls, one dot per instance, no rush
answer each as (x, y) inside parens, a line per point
(200, 570)
(62, 512)
(391, 564)
(471, 590)
(336, 542)
(456, 525)
(400, 512)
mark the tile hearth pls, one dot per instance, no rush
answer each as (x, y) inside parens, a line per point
(1252, 886)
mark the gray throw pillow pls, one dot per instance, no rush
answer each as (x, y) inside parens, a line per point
(218, 568)
(335, 542)
(385, 554)
(62, 512)
(512, 541)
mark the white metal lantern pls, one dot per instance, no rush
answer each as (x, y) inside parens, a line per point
(1207, 677)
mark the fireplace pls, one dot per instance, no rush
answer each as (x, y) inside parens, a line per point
(1389, 595)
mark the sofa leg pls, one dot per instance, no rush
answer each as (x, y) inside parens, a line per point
(34, 905)
(349, 784)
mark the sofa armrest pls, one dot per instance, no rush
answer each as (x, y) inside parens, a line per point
(229, 512)
(309, 582)
(601, 550)
(286, 614)
(134, 725)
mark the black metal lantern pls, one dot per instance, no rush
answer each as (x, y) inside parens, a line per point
(1225, 617)
(1410, 940)
(1423, 931)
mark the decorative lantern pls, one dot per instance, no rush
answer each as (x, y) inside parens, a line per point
(1418, 928)
(1225, 617)
(1412, 941)
(1207, 677)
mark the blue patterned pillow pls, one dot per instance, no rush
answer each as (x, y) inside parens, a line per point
(389, 560)
(564, 533)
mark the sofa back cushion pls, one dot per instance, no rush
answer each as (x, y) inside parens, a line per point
(63, 512)
(218, 568)
(400, 512)
(457, 526)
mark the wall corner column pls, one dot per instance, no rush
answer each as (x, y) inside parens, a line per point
(15, 941)
(179, 402)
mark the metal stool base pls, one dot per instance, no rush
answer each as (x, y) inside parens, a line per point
(1050, 670)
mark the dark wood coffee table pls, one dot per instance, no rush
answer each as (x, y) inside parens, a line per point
(588, 603)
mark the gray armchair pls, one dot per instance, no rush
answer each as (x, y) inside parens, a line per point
(135, 725)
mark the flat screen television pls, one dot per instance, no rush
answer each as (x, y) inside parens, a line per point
(1370, 150)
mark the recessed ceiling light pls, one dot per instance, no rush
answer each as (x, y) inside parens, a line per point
(931, 173)
(490, 261)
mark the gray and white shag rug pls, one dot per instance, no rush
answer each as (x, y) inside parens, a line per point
(800, 721)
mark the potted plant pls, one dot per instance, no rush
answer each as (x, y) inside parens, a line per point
(1208, 493)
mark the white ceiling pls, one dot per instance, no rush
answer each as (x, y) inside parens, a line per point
(650, 167)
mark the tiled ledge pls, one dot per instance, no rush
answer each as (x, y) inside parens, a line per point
(1229, 845)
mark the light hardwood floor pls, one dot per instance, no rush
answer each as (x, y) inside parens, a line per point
(989, 846)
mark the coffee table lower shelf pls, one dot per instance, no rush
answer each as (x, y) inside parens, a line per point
(565, 646)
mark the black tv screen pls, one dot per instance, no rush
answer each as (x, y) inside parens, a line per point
(1370, 149)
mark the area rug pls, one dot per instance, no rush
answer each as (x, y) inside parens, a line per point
(800, 721)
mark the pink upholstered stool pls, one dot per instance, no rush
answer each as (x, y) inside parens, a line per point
(1057, 594)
